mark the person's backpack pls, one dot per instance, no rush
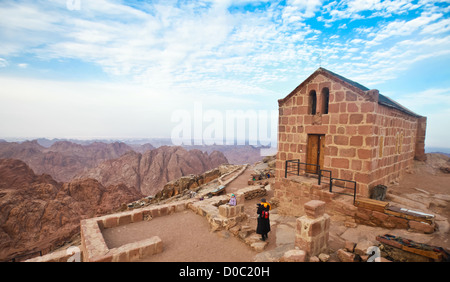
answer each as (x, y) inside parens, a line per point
(265, 214)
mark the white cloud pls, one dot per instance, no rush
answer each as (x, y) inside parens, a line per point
(422, 100)
(403, 28)
(353, 9)
(3, 63)
(35, 107)
(204, 49)
(297, 10)
(442, 26)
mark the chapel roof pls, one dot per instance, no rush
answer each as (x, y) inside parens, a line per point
(382, 99)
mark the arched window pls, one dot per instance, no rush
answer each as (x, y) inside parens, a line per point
(325, 100)
(312, 102)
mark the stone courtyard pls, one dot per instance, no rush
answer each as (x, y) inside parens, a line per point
(188, 229)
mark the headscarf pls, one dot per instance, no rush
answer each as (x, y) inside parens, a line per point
(265, 204)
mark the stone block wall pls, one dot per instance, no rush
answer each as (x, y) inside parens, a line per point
(394, 145)
(293, 193)
(95, 249)
(356, 128)
(230, 211)
(222, 216)
(68, 255)
(293, 196)
(347, 128)
(420, 140)
(312, 232)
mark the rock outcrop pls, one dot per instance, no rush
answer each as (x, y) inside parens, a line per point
(63, 159)
(150, 171)
(38, 213)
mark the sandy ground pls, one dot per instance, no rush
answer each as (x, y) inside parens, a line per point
(186, 236)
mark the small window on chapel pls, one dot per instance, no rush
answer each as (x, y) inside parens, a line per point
(312, 102)
(325, 100)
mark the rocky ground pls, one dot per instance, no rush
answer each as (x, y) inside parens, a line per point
(187, 236)
(425, 189)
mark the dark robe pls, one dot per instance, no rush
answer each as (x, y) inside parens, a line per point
(263, 226)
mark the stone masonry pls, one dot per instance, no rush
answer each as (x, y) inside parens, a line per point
(368, 138)
(95, 249)
(312, 231)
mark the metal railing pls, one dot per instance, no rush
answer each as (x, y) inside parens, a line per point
(321, 176)
(344, 187)
(294, 167)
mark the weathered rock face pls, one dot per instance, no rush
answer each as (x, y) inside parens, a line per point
(149, 172)
(63, 159)
(38, 213)
(187, 182)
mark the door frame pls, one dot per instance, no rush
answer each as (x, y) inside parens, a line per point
(315, 151)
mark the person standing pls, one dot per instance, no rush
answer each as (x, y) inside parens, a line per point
(232, 201)
(263, 226)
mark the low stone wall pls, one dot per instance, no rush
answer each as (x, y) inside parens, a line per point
(390, 217)
(312, 231)
(95, 249)
(71, 254)
(292, 195)
(231, 211)
(237, 172)
(252, 192)
(219, 216)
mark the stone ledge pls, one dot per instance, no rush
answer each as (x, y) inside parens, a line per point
(228, 211)
(222, 217)
(132, 251)
(293, 194)
(95, 249)
(67, 255)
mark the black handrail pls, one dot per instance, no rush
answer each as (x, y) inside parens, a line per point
(354, 188)
(321, 175)
(297, 167)
(296, 164)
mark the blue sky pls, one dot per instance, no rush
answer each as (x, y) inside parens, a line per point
(119, 69)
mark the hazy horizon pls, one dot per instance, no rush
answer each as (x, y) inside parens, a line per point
(123, 69)
(142, 141)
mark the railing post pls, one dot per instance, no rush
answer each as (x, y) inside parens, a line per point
(298, 167)
(331, 181)
(285, 169)
(320, 176)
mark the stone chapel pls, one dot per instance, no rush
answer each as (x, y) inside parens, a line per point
(342, 127)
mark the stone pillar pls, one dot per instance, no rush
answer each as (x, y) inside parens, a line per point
(420, 139)
(313, 229)
(231, 211)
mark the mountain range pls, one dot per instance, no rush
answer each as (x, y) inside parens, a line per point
(47, 187)
(148, 172)
(38, 213)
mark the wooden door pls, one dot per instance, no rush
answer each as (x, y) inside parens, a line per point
(315, 152)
